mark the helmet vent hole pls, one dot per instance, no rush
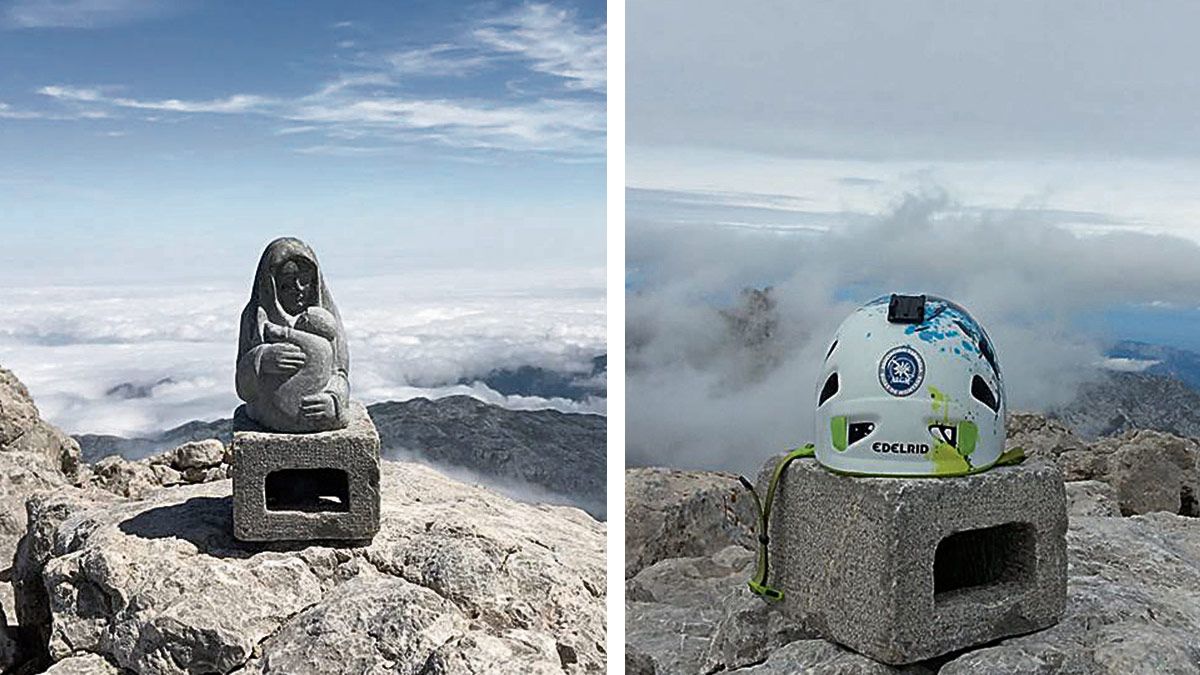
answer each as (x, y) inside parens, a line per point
(827, 391)
(859, 431)
(831, 348)
(983, 393)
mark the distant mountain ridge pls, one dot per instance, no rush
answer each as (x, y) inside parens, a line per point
(560, 453)
(1123, 401)
(1152, 387)
(546, 383)
(1180, 364)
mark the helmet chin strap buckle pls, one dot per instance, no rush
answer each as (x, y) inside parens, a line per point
(906, 309)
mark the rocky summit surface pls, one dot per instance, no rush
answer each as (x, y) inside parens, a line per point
(458, 580)
(1148, 470)
(1133, 596)
(546, 451)
(130, 566)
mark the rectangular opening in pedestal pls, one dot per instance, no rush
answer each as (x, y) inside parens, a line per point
(310, 490)
(975, 561)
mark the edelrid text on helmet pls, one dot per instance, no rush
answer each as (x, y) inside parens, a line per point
(910, 386)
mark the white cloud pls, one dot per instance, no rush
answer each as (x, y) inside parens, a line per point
(238, 103)
(439, 60)
(10, 113)
(342, 110)
(553, 41)
(1126, 365)
(410, 335)
(83, 13)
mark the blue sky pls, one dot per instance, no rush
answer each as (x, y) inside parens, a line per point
(174, 139)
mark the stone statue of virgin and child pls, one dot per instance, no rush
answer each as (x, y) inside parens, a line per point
(292, 364)
(305, 457)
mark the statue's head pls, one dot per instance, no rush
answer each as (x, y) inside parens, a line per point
(296, 285)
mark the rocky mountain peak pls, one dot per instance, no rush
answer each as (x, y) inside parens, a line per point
(130, 566)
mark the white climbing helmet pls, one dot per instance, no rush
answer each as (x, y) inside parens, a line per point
(910, 387)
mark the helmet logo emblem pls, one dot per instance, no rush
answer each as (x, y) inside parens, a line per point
(901, 371)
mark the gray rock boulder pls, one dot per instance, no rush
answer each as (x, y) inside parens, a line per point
(673, 607)
(46, 511)
(194, 462)
(1150, 470)
(459, 579)
(1153, 471)
(695, 615)
(88, 664)
(23, 430)
(1145, 478)
(21, 476)
(819, 656)
(1091, 498)
(672, 513)
(197, 455)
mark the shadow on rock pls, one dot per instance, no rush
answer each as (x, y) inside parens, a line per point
(207, 523)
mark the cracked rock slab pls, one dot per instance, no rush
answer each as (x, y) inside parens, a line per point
(458, 580)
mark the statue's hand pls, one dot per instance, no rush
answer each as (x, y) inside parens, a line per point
(318, 407)
(273, 332)
(282, 359)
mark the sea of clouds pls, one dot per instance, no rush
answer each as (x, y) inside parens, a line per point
(705, 391)
(410, 335)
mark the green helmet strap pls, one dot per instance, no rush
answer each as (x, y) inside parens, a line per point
(758, 584)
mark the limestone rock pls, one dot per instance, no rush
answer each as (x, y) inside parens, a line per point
(1151, 470)
(46, 512)
(23, 430)
(1091, 498)
(1119, 402)
(165, 475)
(197, 455)
(125, 478)
(196, 462)
(458, 580)
(1146, 480)
(1160, 453)
(86, 664)
(671, 513)
(22, 475)
(674, 607)
(819, 656)
(17, 411)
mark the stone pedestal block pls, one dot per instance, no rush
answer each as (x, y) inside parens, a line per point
(313, 486)
(903, 570)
